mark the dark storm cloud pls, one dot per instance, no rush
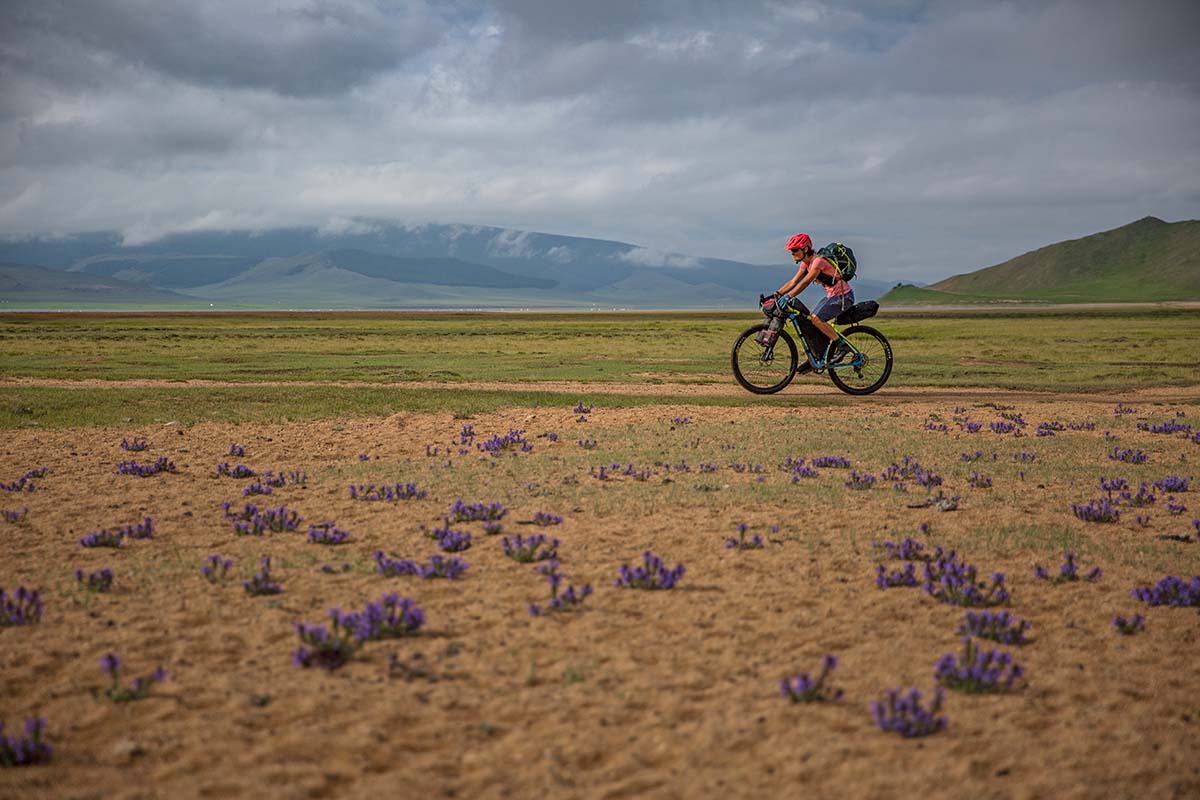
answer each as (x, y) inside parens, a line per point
(293, 48)
(706, 127)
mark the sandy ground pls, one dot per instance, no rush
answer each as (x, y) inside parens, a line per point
(717, 387)
(642, 694)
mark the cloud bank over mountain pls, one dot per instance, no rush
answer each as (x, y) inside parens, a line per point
(935, 136)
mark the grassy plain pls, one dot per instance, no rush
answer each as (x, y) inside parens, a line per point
(1054, 351)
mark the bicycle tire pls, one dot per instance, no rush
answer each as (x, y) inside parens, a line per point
(759, 376)
(876, 368)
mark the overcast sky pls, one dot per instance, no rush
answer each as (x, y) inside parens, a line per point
(934, 137)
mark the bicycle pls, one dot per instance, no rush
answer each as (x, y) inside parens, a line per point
(759, 366)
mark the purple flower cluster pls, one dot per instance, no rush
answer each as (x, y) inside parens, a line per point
(512, 441)
(237, 450)
(473, 512)
(102, 538)
(25, 482)
(1172, 484)
(451, 568)
(1067, 572)
(998, 626)
(1002, 427)
(545, 519)
(908, 469)
(258, 487)
(1142, 498)
(1099, 510)
(135, 691)
(452, 541)
(569, 599)
(251, 521)
(652, 575)
(399, 491)
(1165, 427)
(391, 617)
(1170, 591)
(860, 481)
(145, 470)
(98, 581)
(1081, 426)
(904, 714)
(240, 471)
(831, 462)
(955, 582)
(1128, 456)
(326, 533)
(22, 752)
(261, 583)
(215, 567)
(580, 408)
(535, 548)
(1025, 456)
(1123, 409)
(15, 517)
(908, 550)
(977, 671)
(978, 481)
(323, 649)
(906, 577)
(136, 446)
(740, 542)
(804, 689)
(586, 444)
(22, 607)
(1128, 627)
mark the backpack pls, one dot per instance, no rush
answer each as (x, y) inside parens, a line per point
(842, 258)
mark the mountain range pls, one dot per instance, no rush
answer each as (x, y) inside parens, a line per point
(376, 265)
(1145, 261)
(380, 265)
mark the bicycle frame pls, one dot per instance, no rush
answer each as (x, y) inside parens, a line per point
(819, 364)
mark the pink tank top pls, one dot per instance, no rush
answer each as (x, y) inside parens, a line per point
(840, 287)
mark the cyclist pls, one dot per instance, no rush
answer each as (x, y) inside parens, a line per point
(838, 294)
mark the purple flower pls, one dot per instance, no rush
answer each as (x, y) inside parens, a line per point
(145, 470)
(326, 533)
(21, 752)
(1170, 591)
(652, 575)
(904, 714)
(999, 626)
(22, 607)
(570, 599)
(215, 567)
(804, 689)
(535, 548)
(1067, 572)
(1128, 627)
(977, 671)
(99, 581)
(261, 583)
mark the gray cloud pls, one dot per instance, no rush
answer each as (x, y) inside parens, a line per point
(939, 136)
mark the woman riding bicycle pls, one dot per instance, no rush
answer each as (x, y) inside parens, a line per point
(838, 294)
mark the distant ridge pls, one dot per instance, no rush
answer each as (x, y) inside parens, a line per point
(31, 285)
(379, 264)
(1145, 261)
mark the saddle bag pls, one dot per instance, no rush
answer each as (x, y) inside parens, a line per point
(858, 312)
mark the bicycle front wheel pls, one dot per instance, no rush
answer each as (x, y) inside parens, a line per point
(764, 370)
(867, 370)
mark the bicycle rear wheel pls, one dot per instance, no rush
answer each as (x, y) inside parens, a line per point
(868, 370)
(764, 370)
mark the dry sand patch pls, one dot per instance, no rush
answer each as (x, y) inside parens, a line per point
(661, 694)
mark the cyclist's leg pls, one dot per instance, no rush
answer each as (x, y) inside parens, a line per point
(828, 309)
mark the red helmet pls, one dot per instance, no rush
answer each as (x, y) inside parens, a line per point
(798, 241)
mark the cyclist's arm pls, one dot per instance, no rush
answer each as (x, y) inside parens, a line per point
(800, 281)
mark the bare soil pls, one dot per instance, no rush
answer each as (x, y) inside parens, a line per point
(665, 694)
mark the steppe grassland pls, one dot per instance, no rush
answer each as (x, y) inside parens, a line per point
(663, 693)
(1054, 350)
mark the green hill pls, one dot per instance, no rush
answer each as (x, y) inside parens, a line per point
(1145, 261)
(29, 286)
